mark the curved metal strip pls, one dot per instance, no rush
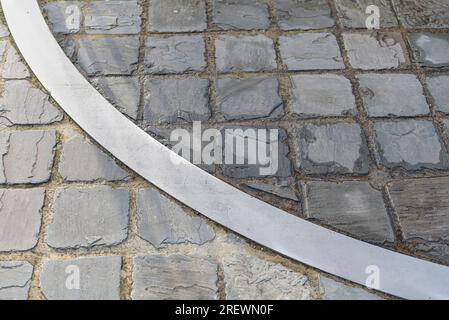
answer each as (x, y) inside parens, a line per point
(400, 275)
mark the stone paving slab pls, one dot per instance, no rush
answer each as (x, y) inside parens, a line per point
(15, 279)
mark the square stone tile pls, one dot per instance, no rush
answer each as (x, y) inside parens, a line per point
(244, 53)
(177, 15)
(333, 149)
(430, 49)
(410, 144)
(251, 98)
(15, 280)
(376, 51)
(64, 17)
(176, 101)
(240, 14)
(423, 13)
(324, 95)
(311, 51)
(393, 95)
(176, 54)
(439, 88)
(352, 13)
(303, 14)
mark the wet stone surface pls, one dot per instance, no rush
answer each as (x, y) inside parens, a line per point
(430, 49)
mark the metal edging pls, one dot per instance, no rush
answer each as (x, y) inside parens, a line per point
(334, 253)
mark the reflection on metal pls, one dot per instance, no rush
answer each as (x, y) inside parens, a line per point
(398, 274)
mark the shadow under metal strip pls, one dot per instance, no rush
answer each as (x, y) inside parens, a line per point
(400, 275)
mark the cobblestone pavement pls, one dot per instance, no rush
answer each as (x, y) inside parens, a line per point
(363, 127)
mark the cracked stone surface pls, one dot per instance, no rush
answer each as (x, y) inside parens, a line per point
(162, 221)
(352, 13)
(439, 89)
(333, 290)
(250, 278)
(99, 278)
(88, 217)
(61, 12)
(430, 49)
(353, 207)
(309, 51)
(174, 277)
(15, 279)
(240, 14)
(303, 14)
(20, 219)
(423, 13)
(13, 67)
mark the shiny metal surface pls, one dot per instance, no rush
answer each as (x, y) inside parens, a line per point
(399, 275)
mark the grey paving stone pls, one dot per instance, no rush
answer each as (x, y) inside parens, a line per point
(310, 51)
(439, 88)
(176, 101)
(88, 217)
(109, 56)
(161, 221)
(64, 16)
(303, 14)
(375, 51)
(113, 17)
(174, 277)
(12, 66)
(410, 144)
(21, 103)
(26, 156)
(333, 149)
(333, 290)
(423, 13)
(83, 161)
(177, 15)
(15, 279)
(386, 95)
(68, 45)
(242, 99)
(430, 49)
(353, 207)
(352, 13)
(20, 219)
(244, 53)
(240, 14)
(175, 54)
(99, 279)
(279, 190)
(323, 95)
(250, 278)
(122, 92)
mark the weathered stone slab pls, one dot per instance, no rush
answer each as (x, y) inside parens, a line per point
(174, 277)
(241, 14)
(353, 207)
(423, 13)
(279, 190)
(303, 14)
(15, 279)
(333, 290)
(88, 217)
(12, 66)
(430, 49)
(64, 16)
(439, 88)
(352, 13)
(20, 219)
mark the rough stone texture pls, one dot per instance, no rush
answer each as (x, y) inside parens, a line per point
(22, 103)
(13, 67)
(250, 278)
(4, 32)
(113, 17)
(122, 92)
(439, 88)
(352, 13)
(109, 56)
(375, 51)
(26, 156)
(83, 161)
(422, 206)
(303, 14)
(243, 99)
(175, 54)
(99, 278)
(430, 49)
(177, 15)
(161, 221)
(20, 219)
(15, 279)
(68, 45)
(176, 101)
(244, 53)
(333, 290)
(423, 13)
(323, 95)
(310, 51)
(240, 14)
(353, 207)
(88, 217)
(280, 190)
(174, 277)
(410, 144)
(334, 148)
(390, 95)
(60, 12)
